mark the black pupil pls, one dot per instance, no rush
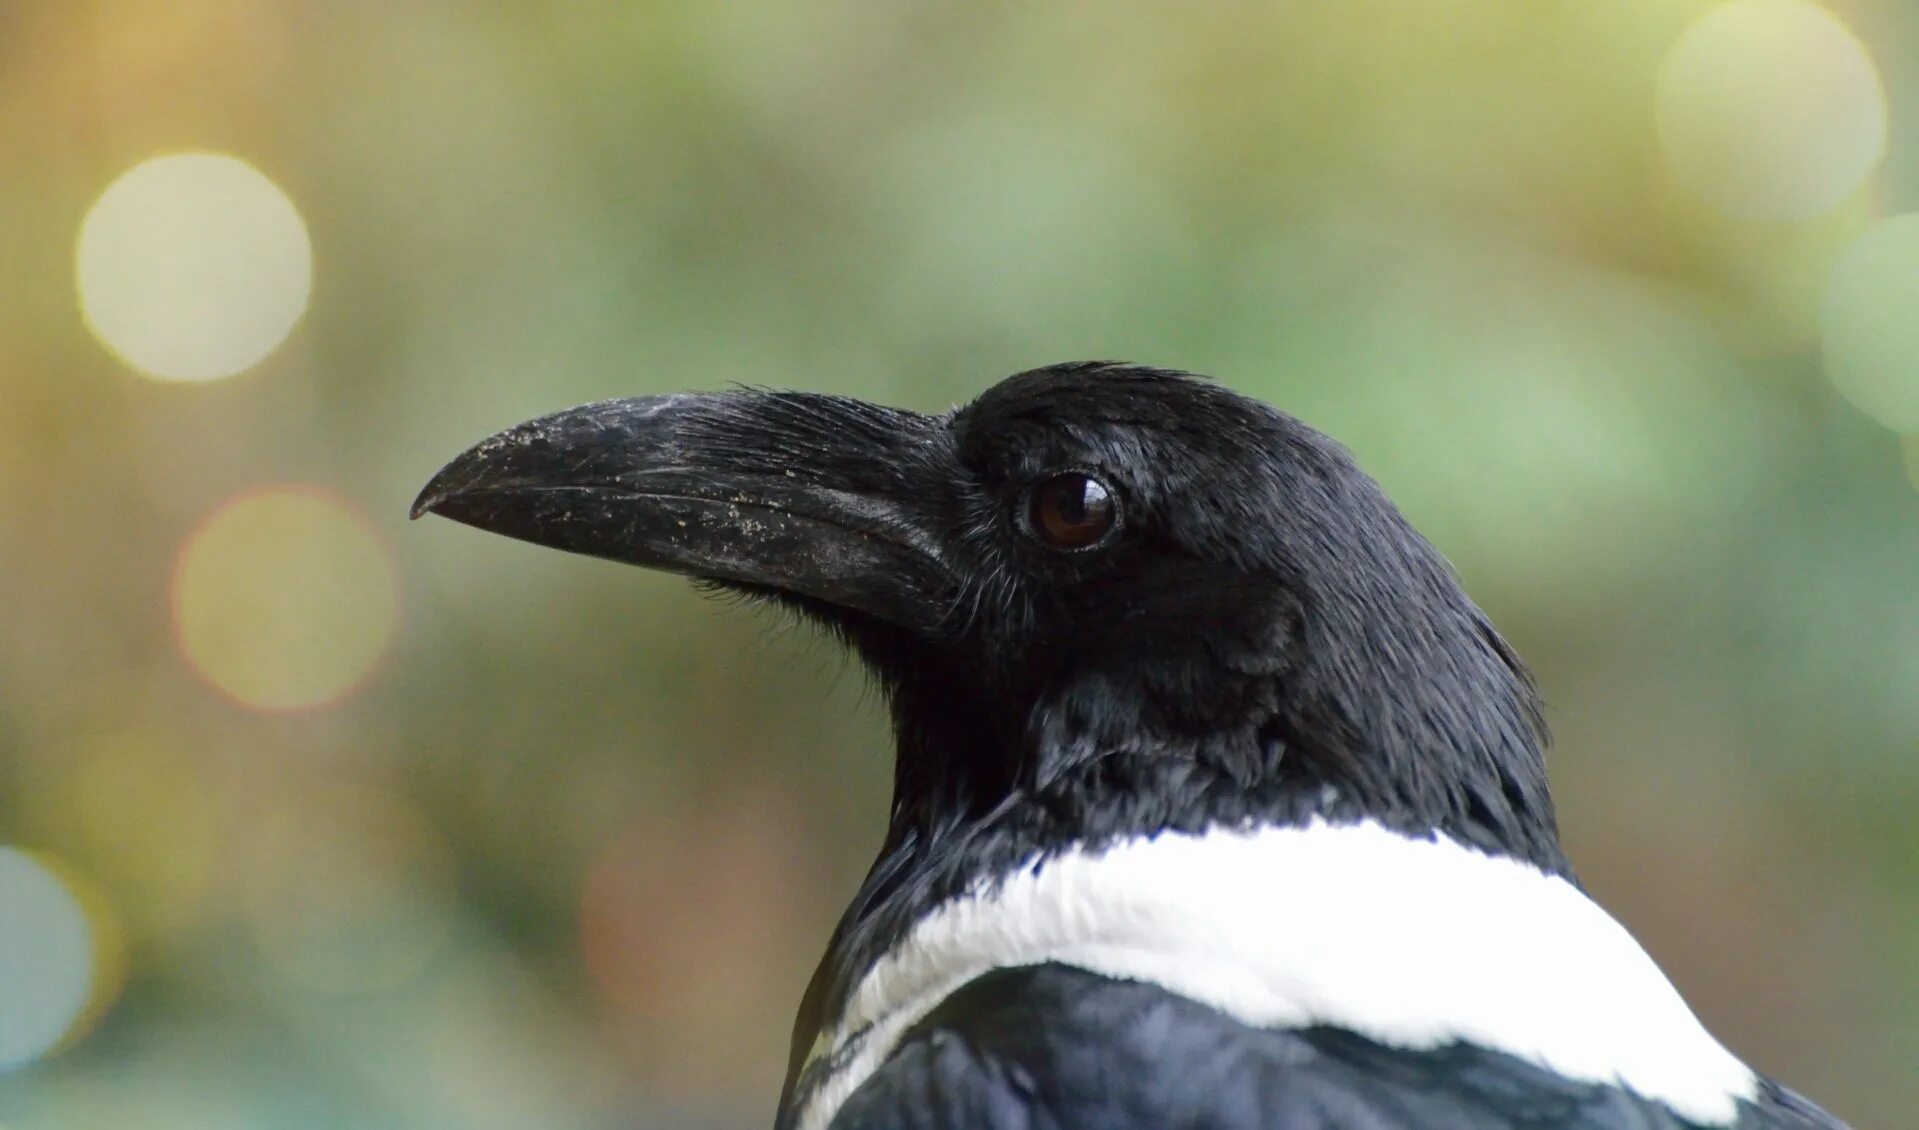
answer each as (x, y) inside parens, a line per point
(1073, 511)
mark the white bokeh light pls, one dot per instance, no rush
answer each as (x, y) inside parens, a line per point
(46, 959)
(1869, 323)
(1771, 110)
(193, 266)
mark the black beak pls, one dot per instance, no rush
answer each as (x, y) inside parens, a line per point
(790, 492)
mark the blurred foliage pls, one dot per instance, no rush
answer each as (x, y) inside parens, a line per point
(409, 826)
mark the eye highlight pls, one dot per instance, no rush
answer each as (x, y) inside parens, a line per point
(1071, 510)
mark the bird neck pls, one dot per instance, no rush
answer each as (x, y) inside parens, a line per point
(982, 793)
(1454, 745)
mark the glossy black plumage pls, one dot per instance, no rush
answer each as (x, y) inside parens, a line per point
(1053, 1048)
(1263, 641)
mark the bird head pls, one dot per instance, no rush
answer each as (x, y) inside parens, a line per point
(1129, 593)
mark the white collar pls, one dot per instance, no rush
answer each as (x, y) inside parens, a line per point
(1412, 942)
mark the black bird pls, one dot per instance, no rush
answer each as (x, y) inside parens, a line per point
(1217, 803)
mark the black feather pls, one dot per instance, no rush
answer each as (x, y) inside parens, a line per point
(1052, 1048)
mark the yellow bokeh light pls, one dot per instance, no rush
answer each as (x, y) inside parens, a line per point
(350, 893)
(1771, 110)
(284, 598)
(1869, 323)
(151, 829)
(62, 961)
(193, 266)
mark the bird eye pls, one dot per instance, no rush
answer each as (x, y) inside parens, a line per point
(1072, 511)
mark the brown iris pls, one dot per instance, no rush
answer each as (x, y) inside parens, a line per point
(1072, 510)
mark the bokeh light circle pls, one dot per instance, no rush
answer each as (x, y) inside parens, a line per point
(193, 266)
(1771, 109)
(60, 963)
(687, 947)
(1869, 323)
(284, 598)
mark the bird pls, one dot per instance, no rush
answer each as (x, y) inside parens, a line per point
(1216, 801)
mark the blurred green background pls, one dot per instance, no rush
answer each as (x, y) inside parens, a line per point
(318, 819)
